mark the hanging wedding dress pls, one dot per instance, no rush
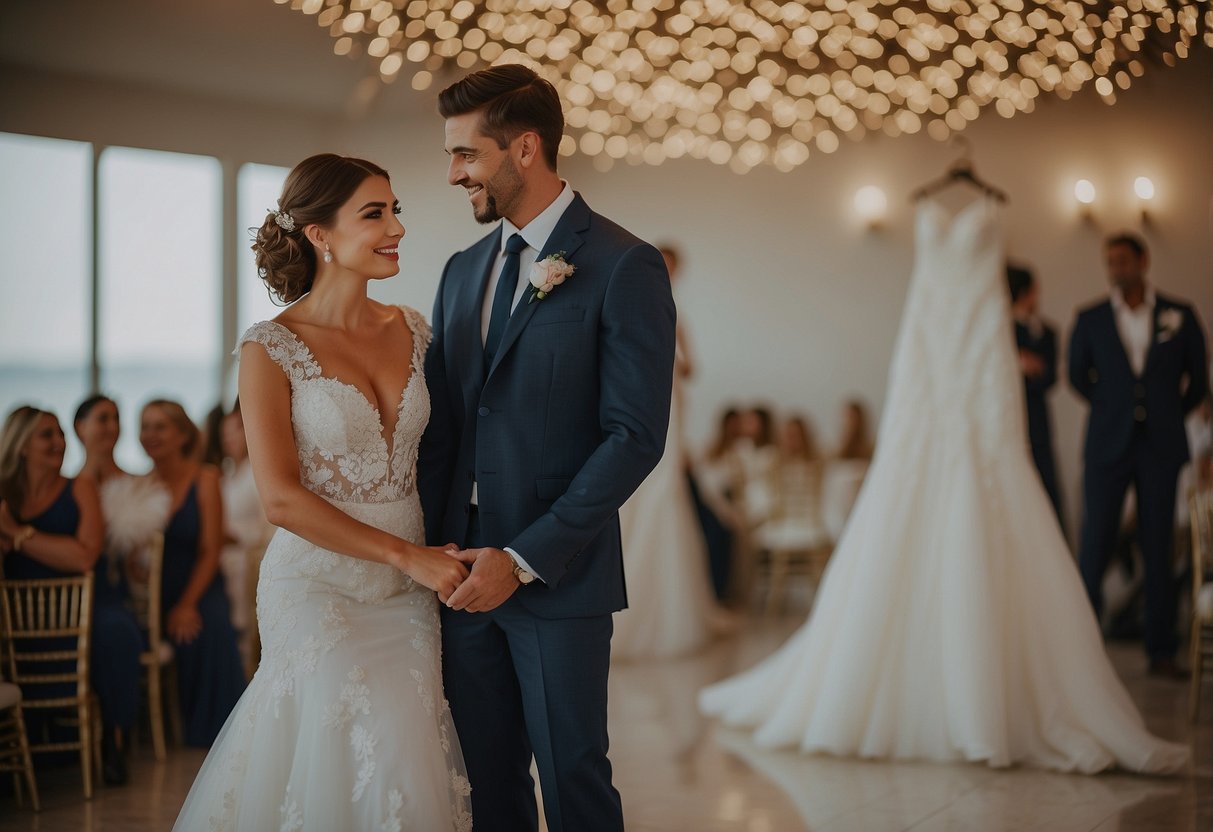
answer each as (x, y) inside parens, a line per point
(951, 623)
(344, 725)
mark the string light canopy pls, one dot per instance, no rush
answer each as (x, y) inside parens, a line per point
(764, 82)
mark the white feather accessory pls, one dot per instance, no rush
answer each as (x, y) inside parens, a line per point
(135, 508)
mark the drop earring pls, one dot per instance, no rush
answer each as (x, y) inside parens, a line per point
(328, 255)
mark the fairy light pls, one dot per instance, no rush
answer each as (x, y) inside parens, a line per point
(765, 82)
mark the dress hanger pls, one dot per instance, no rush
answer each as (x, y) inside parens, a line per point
(961, 171)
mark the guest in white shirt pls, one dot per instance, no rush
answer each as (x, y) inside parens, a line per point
(1139, 359)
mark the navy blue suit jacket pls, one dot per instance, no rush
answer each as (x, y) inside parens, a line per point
(569, 420)
(1174, 381)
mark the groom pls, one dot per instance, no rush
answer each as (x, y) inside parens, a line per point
(549, 378)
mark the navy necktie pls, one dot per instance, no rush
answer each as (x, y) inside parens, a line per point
(503, 298)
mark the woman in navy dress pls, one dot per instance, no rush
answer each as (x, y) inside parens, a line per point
(52, 527)
(197, 615)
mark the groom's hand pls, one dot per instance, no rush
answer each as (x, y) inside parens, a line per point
(490, 583)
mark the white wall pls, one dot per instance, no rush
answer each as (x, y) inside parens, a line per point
(787, 298)
(790, 301)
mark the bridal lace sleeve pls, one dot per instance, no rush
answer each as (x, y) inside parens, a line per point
(283, 348)
(423, 334)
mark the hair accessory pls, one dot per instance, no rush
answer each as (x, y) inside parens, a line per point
(285, 221)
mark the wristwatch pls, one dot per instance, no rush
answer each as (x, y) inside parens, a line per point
(524, 577)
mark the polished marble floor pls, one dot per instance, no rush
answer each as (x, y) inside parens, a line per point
(678, 772)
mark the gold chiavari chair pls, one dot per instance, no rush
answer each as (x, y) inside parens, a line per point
(793, 538)
(158, 657)
(35, 614)
(14, 744)
(1200, 507)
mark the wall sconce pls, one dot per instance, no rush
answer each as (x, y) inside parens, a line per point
(1084, 192)
(872, 206)
(1143, 186)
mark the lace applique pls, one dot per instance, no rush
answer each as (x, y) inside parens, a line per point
(355, 699)
(338, 432)
(395, 802)
(461, 790)
(289, 813)
(363, 742)
(227, 820)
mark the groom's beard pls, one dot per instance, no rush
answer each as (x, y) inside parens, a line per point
(501, 193)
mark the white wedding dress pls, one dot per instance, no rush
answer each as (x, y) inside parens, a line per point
(344, 726)
(671, 610)
(951, 623)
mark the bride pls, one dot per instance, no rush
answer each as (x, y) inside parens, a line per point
(951, 623)
(344, 725)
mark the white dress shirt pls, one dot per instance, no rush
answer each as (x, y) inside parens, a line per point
(536, 234)
(1135, 327)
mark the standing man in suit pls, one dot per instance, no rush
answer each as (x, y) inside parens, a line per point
(549, 378)
(1037, 343)
(1139, 359)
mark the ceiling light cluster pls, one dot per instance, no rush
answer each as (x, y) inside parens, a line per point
(766, 82)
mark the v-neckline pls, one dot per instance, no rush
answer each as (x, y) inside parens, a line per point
(388, 437)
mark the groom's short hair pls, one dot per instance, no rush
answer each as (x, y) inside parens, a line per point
(511, 99)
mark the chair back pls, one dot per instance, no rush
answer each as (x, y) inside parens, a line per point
(1200, 508)
(146, 591)
(45, 626)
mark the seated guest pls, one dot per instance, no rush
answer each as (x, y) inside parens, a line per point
(756, 452)
(52, 527)
(795, 521)
(846, 469)
(715, 482)
(197, 614)
(135, 508)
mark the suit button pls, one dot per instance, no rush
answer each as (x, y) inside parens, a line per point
(484, 411)
(1139, 413)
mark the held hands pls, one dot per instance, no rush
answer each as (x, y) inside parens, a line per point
(490, 584)
(184, 623)
(435, 567)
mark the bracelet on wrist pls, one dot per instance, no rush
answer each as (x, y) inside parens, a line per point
(23, 534)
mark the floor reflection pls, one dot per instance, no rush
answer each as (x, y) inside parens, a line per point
(679, 772)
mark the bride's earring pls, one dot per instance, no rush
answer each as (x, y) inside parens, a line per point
(328, 255)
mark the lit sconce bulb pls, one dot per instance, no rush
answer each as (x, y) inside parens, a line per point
(1084, 191)
(871, 205)
(1144, 188)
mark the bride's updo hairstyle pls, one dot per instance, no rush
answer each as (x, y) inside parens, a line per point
(315, 189)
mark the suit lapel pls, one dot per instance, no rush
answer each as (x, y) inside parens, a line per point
(565, 237)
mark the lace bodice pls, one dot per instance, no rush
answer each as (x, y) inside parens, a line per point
(343, 453)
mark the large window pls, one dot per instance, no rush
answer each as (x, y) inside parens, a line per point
(156, 290)
(257, 190)
(161, 284)
(45, 283)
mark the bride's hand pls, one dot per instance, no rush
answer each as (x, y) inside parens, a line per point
(434, 567)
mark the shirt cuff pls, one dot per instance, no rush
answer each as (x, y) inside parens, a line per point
(522, 562)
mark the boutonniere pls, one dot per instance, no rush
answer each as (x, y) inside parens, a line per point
(548, 273)
(1170, 320)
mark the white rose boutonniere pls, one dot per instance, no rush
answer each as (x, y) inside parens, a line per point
(1170, 321)
(547, 274)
